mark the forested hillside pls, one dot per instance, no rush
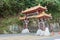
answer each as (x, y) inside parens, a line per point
(13, 7)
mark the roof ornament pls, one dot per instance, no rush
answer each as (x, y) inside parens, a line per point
(26, 8)
(38, 4)
(46, 7)
(50, 14)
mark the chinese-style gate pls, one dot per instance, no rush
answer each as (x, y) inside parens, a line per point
(35, 12)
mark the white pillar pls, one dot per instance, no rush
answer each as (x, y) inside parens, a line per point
(25, 30)
(39, 31)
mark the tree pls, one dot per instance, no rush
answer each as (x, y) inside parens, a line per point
(12, 7)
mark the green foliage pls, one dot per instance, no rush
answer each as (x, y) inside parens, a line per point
(13, 7)
(53, 7)
(4, 23)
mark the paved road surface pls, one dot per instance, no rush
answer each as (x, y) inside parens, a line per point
(31, 36)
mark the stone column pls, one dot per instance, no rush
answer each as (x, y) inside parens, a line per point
(43, 24)
(38, 24)
(25, 30)
(40, 27)
(26, 23)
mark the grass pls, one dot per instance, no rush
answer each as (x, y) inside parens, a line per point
(5, 22)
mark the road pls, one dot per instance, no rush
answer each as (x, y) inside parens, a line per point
(31, 36)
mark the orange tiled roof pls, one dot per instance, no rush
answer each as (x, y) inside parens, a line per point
(33, 8)
(44, 14)
(37, 16)
(22, 18)
(41, 15)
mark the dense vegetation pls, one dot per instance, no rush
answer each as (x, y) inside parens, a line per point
(13, 7)
(10, 10)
